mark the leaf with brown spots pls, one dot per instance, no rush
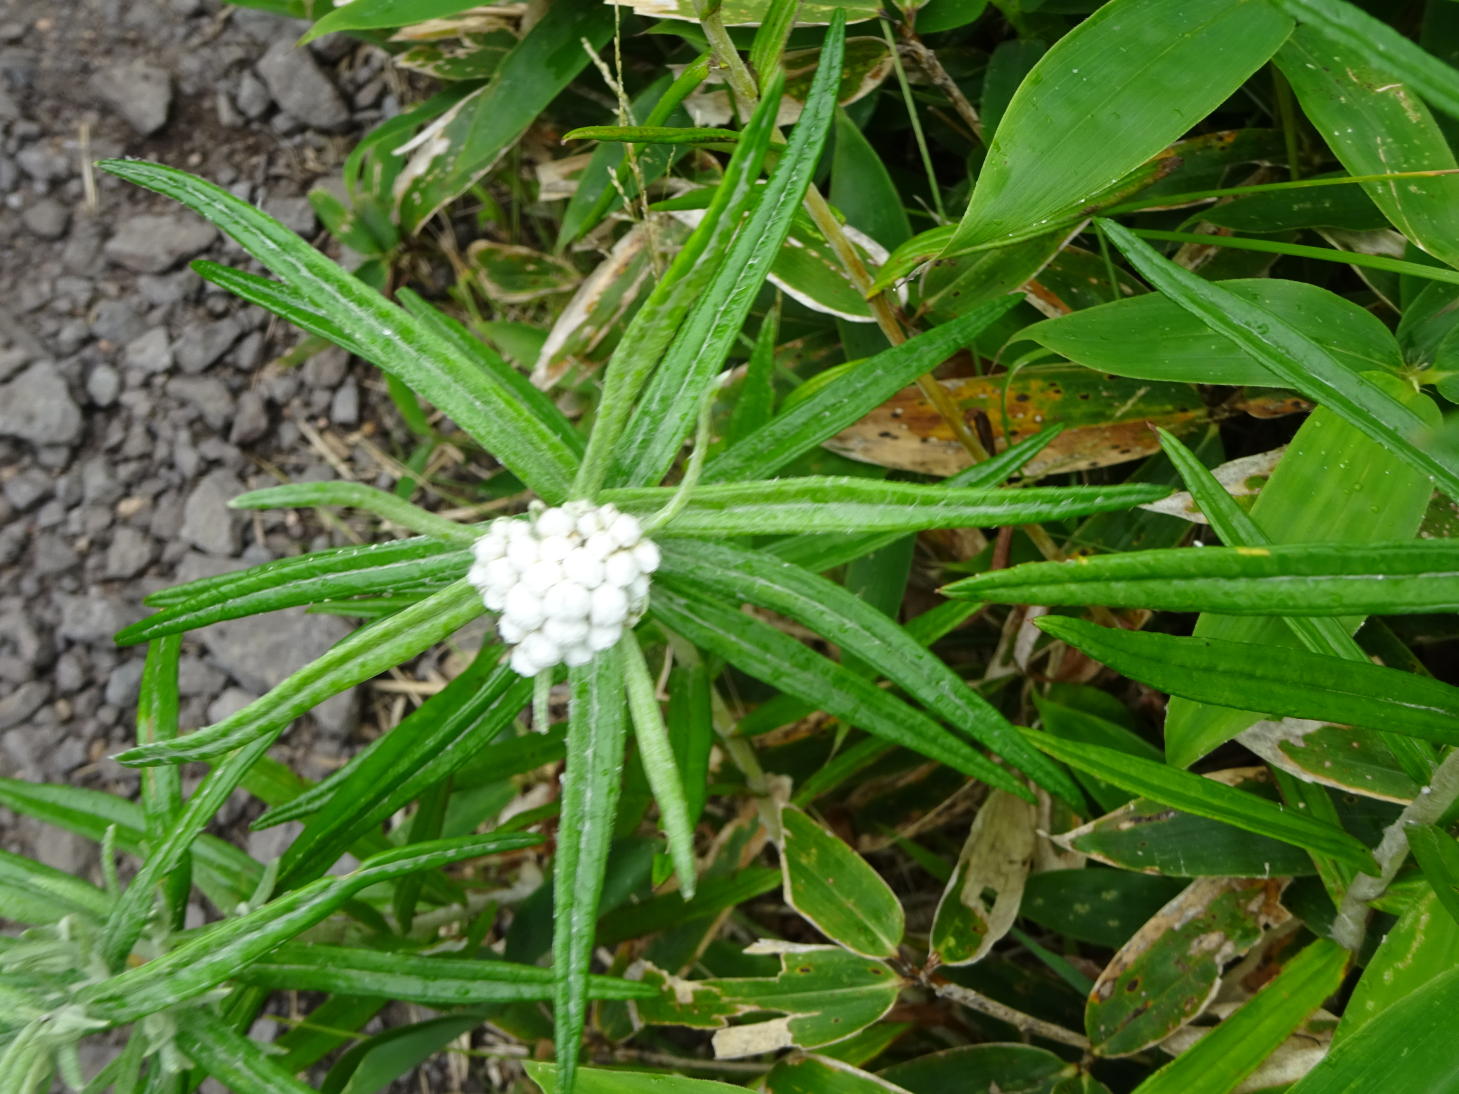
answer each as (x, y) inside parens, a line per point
(1168, 973)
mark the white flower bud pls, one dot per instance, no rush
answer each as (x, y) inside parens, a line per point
(567, 581)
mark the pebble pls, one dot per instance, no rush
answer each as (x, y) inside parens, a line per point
(300, 87)
(91, 617)
(36, 407)
(149, 352)
(344, 408)
(251, 97)
(129, 552)
(46, 218)
(103, 385)
(250, 420)
(203, 343)
(207, 522)
(153, 243)
(22, 702)
(140, 93)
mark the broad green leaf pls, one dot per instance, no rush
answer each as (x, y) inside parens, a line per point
(1407, 1047)
(591, 784)
(824, 1075)
(1438, 857)
(988, 1069)
(597, 1080)
(1358, 761)
(1343, 207)
(834, 887)
(736, 575)
(430, 743)
(429, 981)
(1381, 46)
(1297, 360)
(854, 394)
(672, 400)
(1101, 907)
(862, 189)
(378, 14)
(1291, 683)
(783, 662)
(1149, 836)
(1376, 497)
(995, 859)
(230, 1057)
(712, 897)
(363, 654)
(1238, 1046)
(1204, 797)
(218, 953)
(511, 274)
(469, 139)
(1375, 123)
(1423, 944)
(387, 335)
(1150, 337)
(824, 993)
(850, 505)
(1316, 579)
(335, 573)
(1111, 94)
(1169, 971)
(953, 285)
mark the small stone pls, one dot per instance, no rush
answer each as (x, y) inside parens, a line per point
(129, 552)
(301, 89)
(229, 703)
(44, 162)
(12, 360)
(150, 352)
(150, 243)
(250, 420)
(103, 385)
(344, 408)
(295, 214)
(208, 394)
(21, 703)
(117, 322)
(36, 407)
(139, 92)
(251, 97)
(90, 618)
(202, 344)
(123, 684)
(46, 218)
(26, 488)
(207, 522)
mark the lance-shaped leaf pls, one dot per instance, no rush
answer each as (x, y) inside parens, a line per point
(836, 889)
(1407, 1047)
(1358, 761)
(849, 505)
(1318, 579)
(357, 495)
(996, 859)
(657, 756)
(1222, 1058)
(591, 784)
(1207, 798)
(241, 1063)
(32, 892)
(1280, 682)
(382, 333)
(672, 400)
(365, 653)
(1437, 855)
(1169, 971)
(226, 949)
(1108, 96)
(770, 654)
(1422, 945)
(1295, 358)
(1101, 907)
(851, 396)
(825, 1075)
(413, 978)
(992, 1069)
(736, 575)
(600, 1080)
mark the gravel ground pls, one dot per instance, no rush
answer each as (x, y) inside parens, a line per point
(135, 399)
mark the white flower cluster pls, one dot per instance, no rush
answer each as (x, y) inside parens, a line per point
(567, 581)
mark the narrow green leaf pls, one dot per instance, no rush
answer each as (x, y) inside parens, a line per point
(1437, 855)
(1306, 579)
(1295, 358)
(209, 958)
(735, 575)
(653, 134)
(591, 785)
(1420, 946)
(32, 892)
(356, 495)
(1112, 93)
(288, 305)
(366, 652)
(657, 756)
(597, 1080)
(380, 14)
(772, 655)
(672, 400)
(231, 1058)
(1408, 1047)
(714, 896)
(1219, 1061)
(836, 889)
(851, 397)
(388, 335)
(411, 978)
(1287, 683)
(1206, 798)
